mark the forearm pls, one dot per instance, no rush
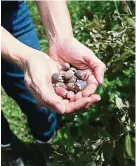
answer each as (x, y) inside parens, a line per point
(56, 19)
(13, 50)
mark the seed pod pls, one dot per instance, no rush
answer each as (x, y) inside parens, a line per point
(71, 86)
(68, 75)
(61, 92)
(62, 73)
(66, 66)
(80, 74)
(73, 69)
(72, 80)
(77, 87)
(57, 77)
(60, 84)
(83, 84)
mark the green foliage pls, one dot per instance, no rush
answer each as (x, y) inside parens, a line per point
(105, 134)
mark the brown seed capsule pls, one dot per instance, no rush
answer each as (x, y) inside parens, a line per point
(73, 69)
(72, 80)
(62, 73)
(60, 84)
(57, 77)
(61, 92)
(71, 86)
(68, 75)
(66, 66)
(80, 74)
(77, 87)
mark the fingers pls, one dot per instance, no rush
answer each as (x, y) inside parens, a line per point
(70, 95)
(78, 96)
(63, 106)
(64, 93)
(99, 71)
(96, 65)
(82, 103)
(73, 106)
(55, 103)
(92, 85)
(45, 96)
(95, 99)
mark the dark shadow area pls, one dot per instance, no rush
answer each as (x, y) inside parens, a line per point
(29, 153)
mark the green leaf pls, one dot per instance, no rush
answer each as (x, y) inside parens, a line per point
(131, 22)
(128, 145)
(119, 103)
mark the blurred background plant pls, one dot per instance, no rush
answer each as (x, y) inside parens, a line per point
(105, 134)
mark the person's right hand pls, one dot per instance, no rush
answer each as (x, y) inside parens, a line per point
(38, 70)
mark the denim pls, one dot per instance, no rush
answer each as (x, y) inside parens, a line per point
(42, 122)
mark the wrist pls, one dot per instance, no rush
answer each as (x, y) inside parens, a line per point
(20, 58)
(56, 47)
(58, 42)
(29, 55)
(58, 36)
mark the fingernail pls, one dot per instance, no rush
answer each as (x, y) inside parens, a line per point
(101, 79)
(60, 107)
(98, 98)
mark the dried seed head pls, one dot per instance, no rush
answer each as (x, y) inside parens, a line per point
(71, 86)
(68, 75)
(72, 80)
(77, 87)
(62, 73)
(60, 84)
(80, 74)
(61, 92)
(57, 77)
(73, 69)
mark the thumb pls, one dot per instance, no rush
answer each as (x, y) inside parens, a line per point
(45, 96)
(99, 71)
(96, 65)
(53, 101)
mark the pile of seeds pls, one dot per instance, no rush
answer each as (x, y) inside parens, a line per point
(69, 79)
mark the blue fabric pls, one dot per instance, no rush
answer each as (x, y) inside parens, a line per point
(43, 122)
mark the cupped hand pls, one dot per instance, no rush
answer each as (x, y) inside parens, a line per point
(38, 70)
(72, 51)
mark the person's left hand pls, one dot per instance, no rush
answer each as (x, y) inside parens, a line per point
(72, 51)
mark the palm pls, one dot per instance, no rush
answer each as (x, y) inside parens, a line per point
(82, 58)
(38, 72)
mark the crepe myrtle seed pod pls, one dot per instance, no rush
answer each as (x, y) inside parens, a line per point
(61, 92)
(60, 84)
(54, 85)
(57, 77)
(71, 86)
(80, 74)
(72, 80)
(73, 69)
(66, 66)
(62, 73)
(77, 87)
(68, 75)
